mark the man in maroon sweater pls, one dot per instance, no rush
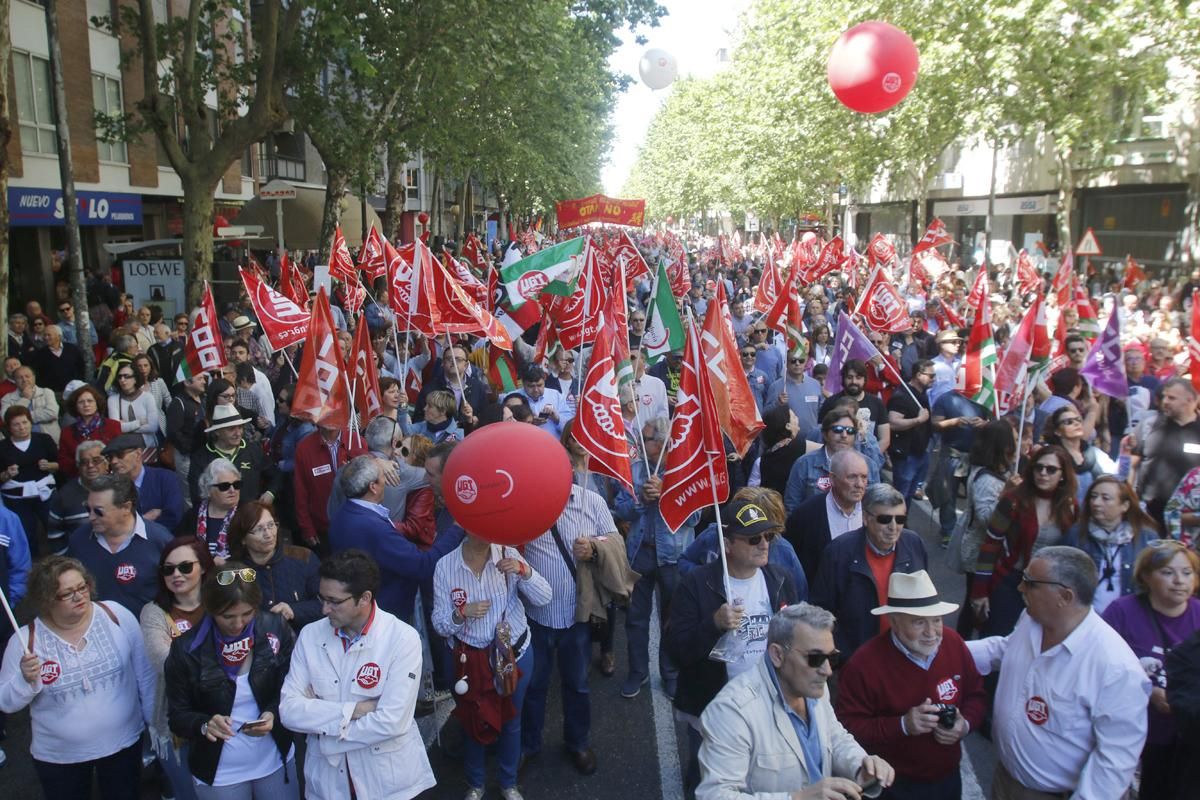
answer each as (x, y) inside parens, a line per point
(913, 692)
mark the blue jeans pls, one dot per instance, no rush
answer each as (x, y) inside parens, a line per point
(908, 473)
(573, 648)
(637, 618)
(508, 746)
(175, 767)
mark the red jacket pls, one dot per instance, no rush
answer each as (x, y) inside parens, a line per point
(419, 525)
(313, 480)
(878, 686)
(70, 439)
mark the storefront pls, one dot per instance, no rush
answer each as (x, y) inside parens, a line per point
(893, 220)
(1017, 222)
(1146, 222)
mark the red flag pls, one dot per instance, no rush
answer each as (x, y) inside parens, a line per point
(291, 283)
(1061, 285)
(736, 409)
(466, 279)
(917, 274)
(204, 350)
(475, 253)
(881, 251)
(406, 297)
(599, 427)
(412, 385)
(696, 473)
(1194, 339)
(1030, 347)
(322, 394)
(786, 317)
(979, 290)
(1134, 274)
(371, 259)
(1028, 279)
(623, 252)
(282, 321)
(355, 294)
(1089, 320)
(364, 383)
(341, 265)
(576, 319)
(830, 258)
(882, 306)
(935, 236)
(981, 351)
(769, 286)
(454, 310)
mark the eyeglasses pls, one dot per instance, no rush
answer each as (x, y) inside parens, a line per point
(1071, 421)
(756, 539)
(82, 590)
(92, 462)
(1047, 469)
(124, 375)
(225, 486)
(329, 601)
(1178, 545)
(95, 510)
(927, 374)
(759, 330)
(750, 354)
(816, 658)
(842, 430)
(795, 360)
(1028, 581)
(227, 576)
(266, 527)
(184, 567)
(888, 519)
(227, 396)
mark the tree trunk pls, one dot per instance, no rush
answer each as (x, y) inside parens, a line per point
(464, 190)
(1066, 199)
(5, 135)
(501, 218)
(397, 190)
(331, 216)
(198, 205)
(66, 171)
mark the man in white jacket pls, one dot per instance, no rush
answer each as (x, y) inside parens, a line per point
(353, 687)
(771, 732)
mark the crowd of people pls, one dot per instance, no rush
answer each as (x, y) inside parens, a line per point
(263, 605)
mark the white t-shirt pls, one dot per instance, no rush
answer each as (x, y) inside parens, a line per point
(245, 757)
(752, 592)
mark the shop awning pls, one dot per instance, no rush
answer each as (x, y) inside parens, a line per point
(302, 218)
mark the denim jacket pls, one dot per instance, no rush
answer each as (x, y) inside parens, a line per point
(810, 473)
(644, 517)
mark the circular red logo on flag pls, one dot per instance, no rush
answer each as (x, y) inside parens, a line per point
(1038, 710)
(530, 284)
(50, 672)
(368, 675)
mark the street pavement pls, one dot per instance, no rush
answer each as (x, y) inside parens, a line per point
(639, 747)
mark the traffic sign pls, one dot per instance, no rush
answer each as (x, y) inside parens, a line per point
(277, 190)
(1088, 246)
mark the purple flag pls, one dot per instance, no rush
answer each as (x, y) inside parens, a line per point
(1105, 367)
(849, 342)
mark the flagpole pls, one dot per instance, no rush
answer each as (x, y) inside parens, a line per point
(288, 359)
(1021, 424)
(587, 296)
(12, 620)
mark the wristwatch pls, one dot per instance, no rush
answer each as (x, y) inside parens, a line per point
(204, 730)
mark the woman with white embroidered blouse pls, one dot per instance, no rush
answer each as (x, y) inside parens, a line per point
(81, 668)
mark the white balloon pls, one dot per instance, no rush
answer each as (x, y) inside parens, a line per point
(658, 68)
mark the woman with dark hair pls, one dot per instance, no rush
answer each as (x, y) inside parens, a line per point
(822, 347)
(392, 402)
(155, 385)
(287, 574)
(86, 681)
(1161, 614)
(223, 681)
(133, 406)
(175, 610)
(991, 458)
(495, 412)
(781, 446)
(1064, 428)
(27, 467)
(1113, 530)
(85, 405)
(1035, 513)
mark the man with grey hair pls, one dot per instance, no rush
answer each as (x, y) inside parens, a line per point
(68, 504)
(1069, 716)
(827, 515)
(58, 363)
(771, 731)
(363, 523)
(853, 574)
(165, 354)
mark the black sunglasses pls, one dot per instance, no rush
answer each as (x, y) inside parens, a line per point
(756, 539)
(887, 519)
(225, 486)
(1028, 581)
(842, 429)
(749, 354)
(817, 658)
(1047, 469)
(184, 567)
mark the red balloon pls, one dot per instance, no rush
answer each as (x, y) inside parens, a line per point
(507, 482)
(872, 67)
(423, 218)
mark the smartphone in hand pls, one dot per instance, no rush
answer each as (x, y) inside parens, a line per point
(254, 723)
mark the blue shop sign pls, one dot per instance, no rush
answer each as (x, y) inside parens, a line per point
(37, 207)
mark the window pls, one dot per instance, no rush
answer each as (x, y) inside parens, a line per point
(34, 107)
(100, 9)
(106, 97)
(412, 183)
(162, 13)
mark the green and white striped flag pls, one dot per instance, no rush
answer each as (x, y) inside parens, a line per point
(554, 270)
(664, 328)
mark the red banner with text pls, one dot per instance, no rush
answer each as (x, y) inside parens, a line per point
(598, 208)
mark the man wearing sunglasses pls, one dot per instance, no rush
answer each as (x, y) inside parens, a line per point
(855, 568)
(1069, 717)
(159, 497)
(798, 391)
(701, 614)
(780, 706)
(770, 359)
(754, 376)
(117, 545)
(913, 692)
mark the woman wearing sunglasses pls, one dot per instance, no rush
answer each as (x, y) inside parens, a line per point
(1035, 513)
(220, 492)
(1065, 429)
(1161, 613)
(1113, 530)
(223, 680)
(174, 611)
(287, 574)
(81, 668)
(133, 406)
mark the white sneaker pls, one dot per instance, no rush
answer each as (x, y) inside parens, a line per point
(511, 793)
(474, 794)
(3, 757)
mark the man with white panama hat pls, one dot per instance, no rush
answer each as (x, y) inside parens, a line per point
(260, 479)
(913, 692)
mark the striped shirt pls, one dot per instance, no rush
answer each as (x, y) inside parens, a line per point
(585, 515)
(455, 584)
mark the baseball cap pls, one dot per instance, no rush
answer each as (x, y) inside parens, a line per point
(743, 518)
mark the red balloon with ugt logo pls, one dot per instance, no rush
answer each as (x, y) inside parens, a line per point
(507, 482)
(872, 67)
